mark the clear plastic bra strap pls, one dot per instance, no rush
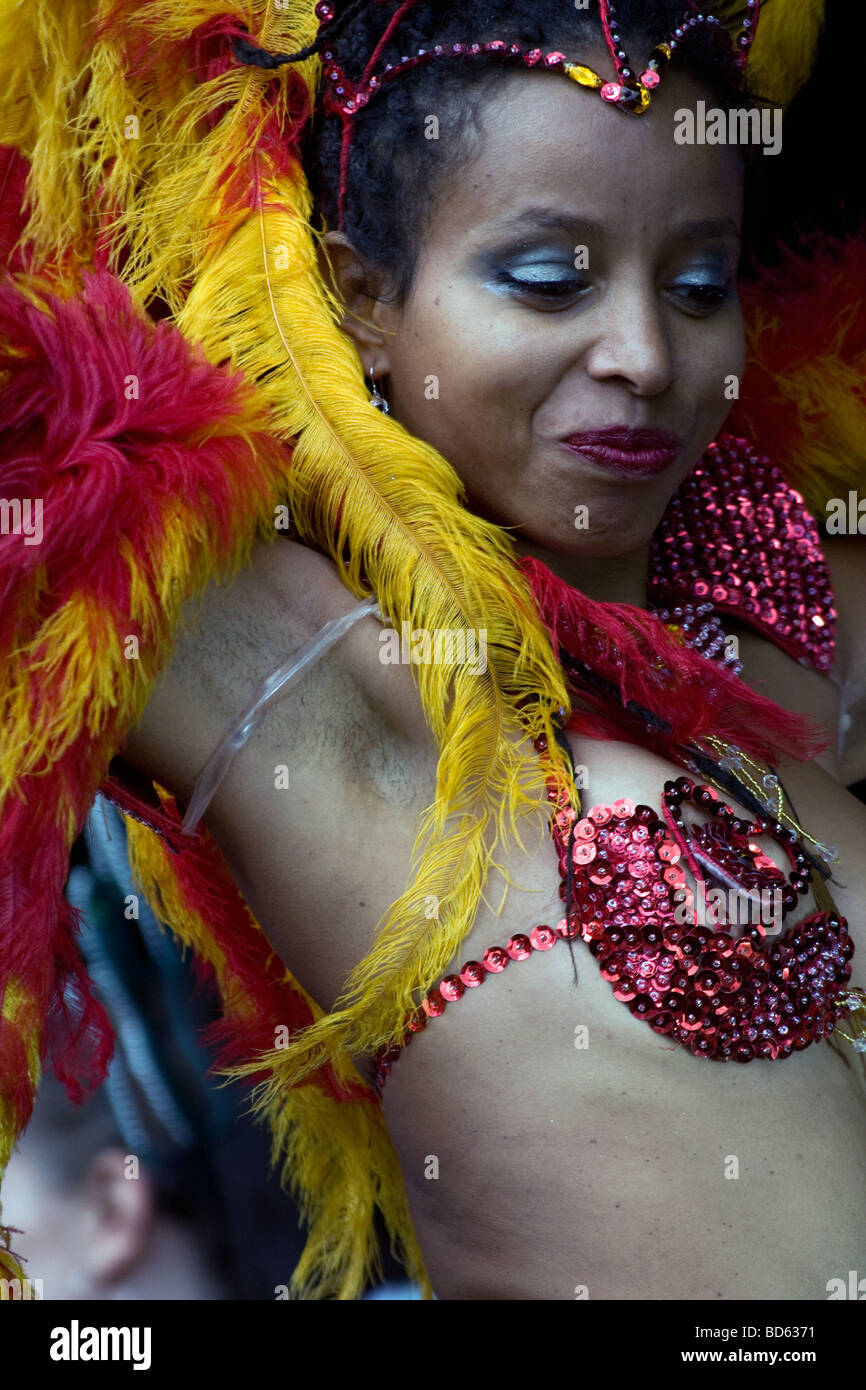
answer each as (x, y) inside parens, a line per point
(850, 693)
(273, 686)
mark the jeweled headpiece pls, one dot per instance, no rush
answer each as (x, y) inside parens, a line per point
(629, 92)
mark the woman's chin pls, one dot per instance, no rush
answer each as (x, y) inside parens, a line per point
(601, 527)
(597, 540)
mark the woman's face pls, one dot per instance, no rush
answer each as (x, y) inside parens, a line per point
(514, 338)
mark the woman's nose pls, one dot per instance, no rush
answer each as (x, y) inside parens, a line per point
(632, 342)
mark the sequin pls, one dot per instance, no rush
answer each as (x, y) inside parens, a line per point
(584, 853)
(434, 1004)
(452, 988)
(767, 509)
(542, 938)
(601, 872)
(472, 974)
(495, 959)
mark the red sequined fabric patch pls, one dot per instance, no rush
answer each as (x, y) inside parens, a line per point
(737, 538)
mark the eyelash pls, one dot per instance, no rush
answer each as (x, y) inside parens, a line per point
(707, 295)
(701, 296)
(545, 289)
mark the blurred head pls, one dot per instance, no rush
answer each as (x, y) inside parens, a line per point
(548, 266)
(93, 1223)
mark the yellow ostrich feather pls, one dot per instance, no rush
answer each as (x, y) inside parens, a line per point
(429, 561)
(785, 46)
(21, 1013)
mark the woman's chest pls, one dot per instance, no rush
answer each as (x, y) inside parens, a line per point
(705, 928)
(577, 1144)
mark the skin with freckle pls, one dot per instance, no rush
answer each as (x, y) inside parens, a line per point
(629, 1197)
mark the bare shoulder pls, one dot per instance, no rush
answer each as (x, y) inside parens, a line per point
(846, 559)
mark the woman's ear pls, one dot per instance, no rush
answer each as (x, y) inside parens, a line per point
(358, 286)
(121, 1215)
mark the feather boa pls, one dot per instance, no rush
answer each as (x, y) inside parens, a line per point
(153, 472)
(690, 695)
(804, 391)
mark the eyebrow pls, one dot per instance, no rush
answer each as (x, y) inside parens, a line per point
(548, 219)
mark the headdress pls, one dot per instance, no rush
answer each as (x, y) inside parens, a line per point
(174, 377)
(625, 89)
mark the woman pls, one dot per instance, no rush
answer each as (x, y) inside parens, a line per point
(556, 316)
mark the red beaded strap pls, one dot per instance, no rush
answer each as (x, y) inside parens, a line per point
(452, 987)
(494, 960)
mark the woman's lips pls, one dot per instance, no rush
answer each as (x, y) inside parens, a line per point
(634, 453)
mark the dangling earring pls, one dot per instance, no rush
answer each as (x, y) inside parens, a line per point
(377, 399)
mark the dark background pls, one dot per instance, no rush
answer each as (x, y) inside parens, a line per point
(816, 182)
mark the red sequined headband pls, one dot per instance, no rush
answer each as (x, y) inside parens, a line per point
(630, 93)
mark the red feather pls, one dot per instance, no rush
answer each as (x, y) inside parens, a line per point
(634, 651)
(111, 465)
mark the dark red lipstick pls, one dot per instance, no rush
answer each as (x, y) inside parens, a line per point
(633, 453)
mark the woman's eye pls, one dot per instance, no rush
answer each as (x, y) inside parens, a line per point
(702, 295)
(539, 280)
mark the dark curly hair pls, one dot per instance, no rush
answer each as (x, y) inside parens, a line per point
(393, 179)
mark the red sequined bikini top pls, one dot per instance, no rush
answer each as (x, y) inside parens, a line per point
(625, 894)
